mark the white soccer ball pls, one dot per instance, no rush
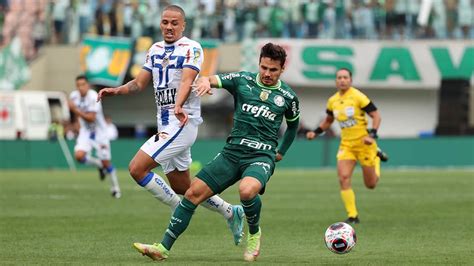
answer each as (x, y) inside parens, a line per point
(340, 238)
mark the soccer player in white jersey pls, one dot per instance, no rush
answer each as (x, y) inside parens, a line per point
(173, 65)
(92, 133)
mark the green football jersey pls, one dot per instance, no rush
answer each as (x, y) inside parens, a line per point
(259, 109)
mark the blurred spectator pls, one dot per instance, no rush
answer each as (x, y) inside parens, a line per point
(233, 20)
(451, 17)
(412, 15)
(127, 18)
(278, 20)
(99, 19)
(439, 19)
(137, 22)
(39, 31)
(311, 16)
(395, 18)
(466, 17)
(3, 11)
(59, 17)
(84, 10)
(112, 15)
(363, 21)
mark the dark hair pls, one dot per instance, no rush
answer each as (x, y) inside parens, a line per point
(175, 8)
(82, 77)
(346, 69)
(273, 51)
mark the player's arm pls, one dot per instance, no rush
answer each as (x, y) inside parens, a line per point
(187, 79)
(292, 116)
(323, 126)
(372, 111)
(204, 85)
(88, 116)
(134, 86)
(288, 137)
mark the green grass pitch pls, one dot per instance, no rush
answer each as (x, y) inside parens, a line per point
(412, 217)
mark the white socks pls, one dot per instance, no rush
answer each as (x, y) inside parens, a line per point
(217, 204)
(160, 190)
(113, 179)
(164, 193)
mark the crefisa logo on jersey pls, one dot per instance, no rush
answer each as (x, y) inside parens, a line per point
(279, 100)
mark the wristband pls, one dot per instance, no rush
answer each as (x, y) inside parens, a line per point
(318, 130)
(373, 133)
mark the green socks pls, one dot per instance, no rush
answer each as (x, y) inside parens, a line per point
(178, 223)
(252, 212)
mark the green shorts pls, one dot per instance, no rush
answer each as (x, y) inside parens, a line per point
(234, 163)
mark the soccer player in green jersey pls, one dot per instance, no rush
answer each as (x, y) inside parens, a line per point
(261, 102)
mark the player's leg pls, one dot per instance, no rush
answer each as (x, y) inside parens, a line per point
(248, 190)
(346, 162)
(197, 193)
(83, 148)
(160, 150)
(114, 184)
(256, 175)
(103, 151)
(370, 163)
(345, 169)
(179, 179)
(140, 169)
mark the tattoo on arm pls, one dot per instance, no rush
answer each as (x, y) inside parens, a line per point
(133, 87)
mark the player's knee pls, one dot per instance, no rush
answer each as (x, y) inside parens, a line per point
(80, 157)
(371, 184)
(136, 172)
(248, 192)
(344, 178)
(192, 195)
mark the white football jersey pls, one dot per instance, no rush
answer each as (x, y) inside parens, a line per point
(89, 103)
(166, 62)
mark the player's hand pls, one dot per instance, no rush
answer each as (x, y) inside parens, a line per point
(106, 92)
(278, 157)
(311, 135)
(368, 140)
(202, 86)
(181, 115)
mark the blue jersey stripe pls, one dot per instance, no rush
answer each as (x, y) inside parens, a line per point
(165, 117)
(167, 143)
(192, 67)
(147, 69)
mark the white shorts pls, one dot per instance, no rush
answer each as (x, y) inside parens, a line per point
(172, 149)
(86, 142)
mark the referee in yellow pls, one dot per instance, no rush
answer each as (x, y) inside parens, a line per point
(348, 106)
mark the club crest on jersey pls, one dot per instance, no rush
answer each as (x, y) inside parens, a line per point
(279, 100)
(197, 54)
(165, 62)
(264, 95)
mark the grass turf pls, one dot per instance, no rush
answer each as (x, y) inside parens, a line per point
(412, 217)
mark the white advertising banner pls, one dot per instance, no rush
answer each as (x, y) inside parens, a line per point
(375, 64)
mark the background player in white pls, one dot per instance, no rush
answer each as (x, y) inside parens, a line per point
(173, 65)
(92, 133)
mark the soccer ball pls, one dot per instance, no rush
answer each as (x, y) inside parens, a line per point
(340, 238)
